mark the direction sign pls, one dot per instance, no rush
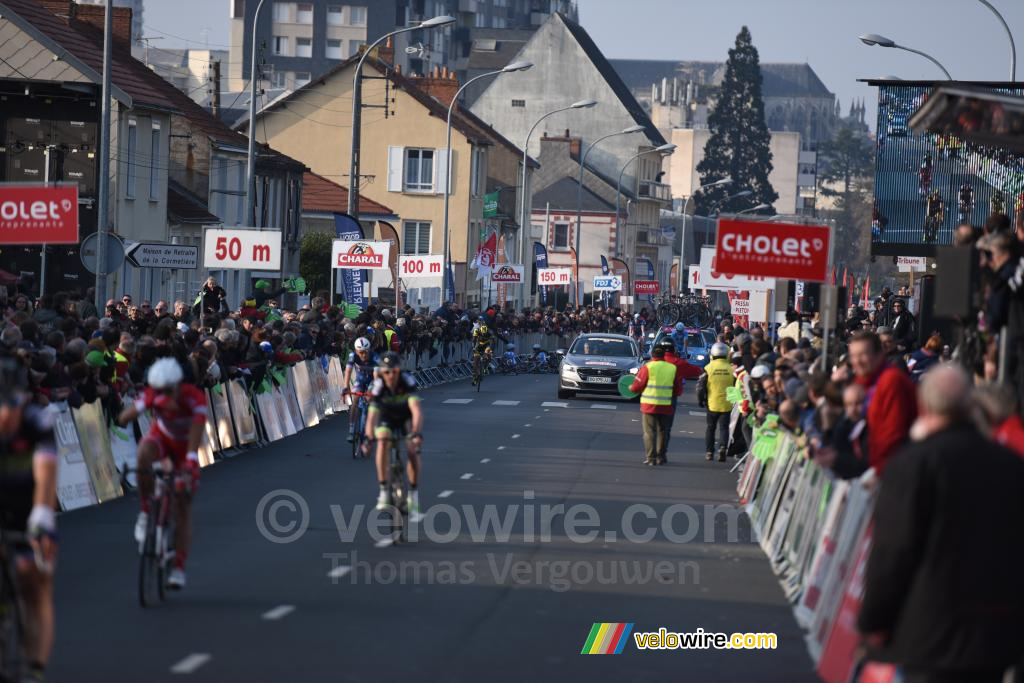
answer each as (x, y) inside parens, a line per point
(115, 253)
(149, 255)
(607, 283)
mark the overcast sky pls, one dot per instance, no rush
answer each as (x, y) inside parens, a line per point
(962, 34)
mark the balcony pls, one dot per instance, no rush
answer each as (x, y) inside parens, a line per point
(659, 192)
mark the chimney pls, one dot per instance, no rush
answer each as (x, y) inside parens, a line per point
(574, 146)
(62, 8)
(94, 16)
(442, 84)
(386, 53)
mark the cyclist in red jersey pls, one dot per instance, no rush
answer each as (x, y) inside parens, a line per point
(179, 418)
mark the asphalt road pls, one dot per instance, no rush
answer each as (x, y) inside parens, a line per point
(256, 610)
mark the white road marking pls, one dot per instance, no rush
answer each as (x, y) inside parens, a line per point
(698, 413)
(467, 475)
(554, 404)
(515, 436)
(536, 417)
(484, 461)
(459, 401)
(339, 571)
(505, 403)
(604, 406)
(634, 420)
(384, 543)
(527, 425)
(501, 448)
(279, 612)
(445, 494)
(191, 663)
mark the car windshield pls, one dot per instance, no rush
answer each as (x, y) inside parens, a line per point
(694, 339)
(709, 337)
(603, 346)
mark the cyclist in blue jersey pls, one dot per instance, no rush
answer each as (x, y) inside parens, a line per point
(679, 339)
(539, 355)
(359, 374)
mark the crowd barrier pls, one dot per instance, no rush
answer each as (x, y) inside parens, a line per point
(816, 533)
(94, 454)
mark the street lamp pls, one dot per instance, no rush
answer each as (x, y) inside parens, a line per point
(579, 197)
(742, 193)
(523, 216)
(357, 105)
(665, 150)
(513, 67)
(882, 41)
(759, 207)
(250, 167)
(722, 182)
(1009, 34)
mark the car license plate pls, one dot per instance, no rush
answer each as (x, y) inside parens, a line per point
(601, 380)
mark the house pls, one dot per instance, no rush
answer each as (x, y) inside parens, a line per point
(403, 157)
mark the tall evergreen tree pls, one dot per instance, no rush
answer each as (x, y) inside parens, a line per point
(739, 142)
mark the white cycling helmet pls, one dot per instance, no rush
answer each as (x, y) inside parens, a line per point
(362, 344)
(511, 347)
(719, 350)
(680, 327)
(164, 373)
(536, 347)
(760, 371)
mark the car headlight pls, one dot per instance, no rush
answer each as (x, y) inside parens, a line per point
(700, 357)
(568, 366)
(633, 371)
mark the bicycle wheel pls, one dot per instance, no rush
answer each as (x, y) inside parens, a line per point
(668, 314)
(165, 555)
(357, 436)
(399, 494)
(703, 316)
(149, 572)
(12, 663)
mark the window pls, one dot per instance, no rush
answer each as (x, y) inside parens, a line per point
(419, 170)
(304, 13)
(277, 80)
(334, 17)
(481, 20)
(475, 172)
(518, 103)
(281, 46)
(357, 15)
(334, 49)
(561, 240)
(130, 148)
(237, 9)
(283, 11)
(416, 239)
(301, 78)
(303, 47)
(154, 163)
(353, 47)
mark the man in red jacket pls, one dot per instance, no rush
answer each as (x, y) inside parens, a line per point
(890, 398)
(658, 383)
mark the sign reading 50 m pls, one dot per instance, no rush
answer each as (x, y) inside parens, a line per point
(242, 248)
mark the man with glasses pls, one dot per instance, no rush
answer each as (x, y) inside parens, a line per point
(160, 311)
(394, 411)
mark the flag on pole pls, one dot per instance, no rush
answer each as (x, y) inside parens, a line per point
(486, 256)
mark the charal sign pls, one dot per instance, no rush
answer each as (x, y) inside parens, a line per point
(360, 254)
(795, 252)
(507, 273)
(143, 255)
(38, 214)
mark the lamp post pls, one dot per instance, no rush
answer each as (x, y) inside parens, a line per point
(514, 66)
(665, 149)
(742, 193)
(759, 207)
(882, 41)
(579, 197)
(523, 213)
(1009, 34)
(686, 216)
(250, 160)
(357, 105)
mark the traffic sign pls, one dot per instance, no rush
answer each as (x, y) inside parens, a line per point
(554, 276)
(115, 253)
(607, 283)
(149, 255)
(243, 249)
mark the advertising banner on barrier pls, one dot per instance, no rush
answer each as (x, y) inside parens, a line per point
(838, 658)
(241, 413)
(335, 382)
(291, 401)
(270, 416)
(91, 425)
(360, 254)
(318, 379)
(284, 403)
(782, 250)
(74, 487)
(123, 448)
(218, 398)
(299, 376)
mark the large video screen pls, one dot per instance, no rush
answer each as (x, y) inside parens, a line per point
(925, 185)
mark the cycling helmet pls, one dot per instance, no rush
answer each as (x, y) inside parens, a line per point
(719, 350)
(667, 345)
(760, 371)
(536, 347)
(511, 347)
(362, 344)
(680, 327)
(164, 374)
(636, 316)
(483, 329)
(390, 361)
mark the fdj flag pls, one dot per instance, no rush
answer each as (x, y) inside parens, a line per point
(347, 228)
(491, 205)
(607, 639)
(604, 265)
(540, 260)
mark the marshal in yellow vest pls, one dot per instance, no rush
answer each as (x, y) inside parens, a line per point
(661, 376)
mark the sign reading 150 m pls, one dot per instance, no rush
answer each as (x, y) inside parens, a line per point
(795, 252)
(246, 249)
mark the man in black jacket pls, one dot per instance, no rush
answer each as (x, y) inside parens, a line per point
(942, 590)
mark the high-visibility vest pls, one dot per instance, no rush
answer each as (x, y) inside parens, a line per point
(661, 377)
(719, 379)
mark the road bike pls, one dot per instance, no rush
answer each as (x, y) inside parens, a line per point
(481, 362)
(12, 625)
(398, 489)
(360, 405)
(690, 309)
(156, 552)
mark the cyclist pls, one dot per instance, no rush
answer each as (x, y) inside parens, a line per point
(28, 502)
(636, 328)
(179, 410)
(509, 358)
(679, 338)
(359, 374)
(481, 349)
(539, 355)
(394, 410)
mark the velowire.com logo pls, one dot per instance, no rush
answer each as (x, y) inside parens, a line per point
(607, 639)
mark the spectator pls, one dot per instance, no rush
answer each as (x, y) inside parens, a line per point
(925, 357)
(942, 591)
(212, 299)
(904, 326)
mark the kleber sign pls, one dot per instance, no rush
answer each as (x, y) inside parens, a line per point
(507, 273)
(795, 252)
(642, 287)
(359, 255)
(38, 214)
